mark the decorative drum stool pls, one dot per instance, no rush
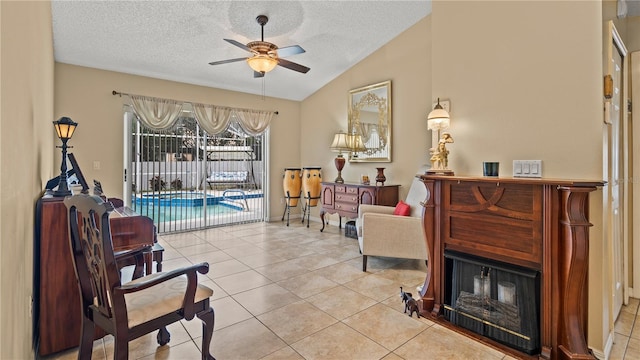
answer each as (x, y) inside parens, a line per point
(311, 188)
(292, 184)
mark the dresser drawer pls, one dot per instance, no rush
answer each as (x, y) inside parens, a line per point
(352, 190)
(346, 189)
(346, 198)
(348, 207)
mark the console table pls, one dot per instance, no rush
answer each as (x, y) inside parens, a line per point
(344, 199)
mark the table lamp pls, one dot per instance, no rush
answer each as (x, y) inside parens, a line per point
(340, 143)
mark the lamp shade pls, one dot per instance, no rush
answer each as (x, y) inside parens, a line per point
(262, 63)
(65, 127)
(340, 143)
(438, 118)
(356, 144)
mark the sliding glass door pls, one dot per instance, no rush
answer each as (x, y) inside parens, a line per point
(185, 179)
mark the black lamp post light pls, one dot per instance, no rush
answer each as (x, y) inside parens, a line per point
(64, 128)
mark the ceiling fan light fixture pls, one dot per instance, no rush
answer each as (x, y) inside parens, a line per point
(262, 63)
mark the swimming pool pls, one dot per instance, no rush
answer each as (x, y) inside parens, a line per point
(190, 205)
(189, 199)
(163, 213)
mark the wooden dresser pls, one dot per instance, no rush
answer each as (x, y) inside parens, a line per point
(344, 199)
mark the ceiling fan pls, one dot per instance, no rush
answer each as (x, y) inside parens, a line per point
(265, 54)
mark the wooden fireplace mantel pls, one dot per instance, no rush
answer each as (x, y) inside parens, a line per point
(541, 224)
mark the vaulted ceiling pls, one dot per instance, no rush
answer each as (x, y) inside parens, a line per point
(176, 40)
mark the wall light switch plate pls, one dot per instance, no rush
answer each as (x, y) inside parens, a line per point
(446, 104)
(527, 168)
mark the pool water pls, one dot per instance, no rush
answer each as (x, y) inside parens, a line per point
(187, 199)
(171, 213)
(186, 205)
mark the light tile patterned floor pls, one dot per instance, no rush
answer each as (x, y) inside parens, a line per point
(626, 343)
(296, 293)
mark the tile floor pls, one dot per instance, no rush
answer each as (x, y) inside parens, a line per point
(296, 293)
(626, 344)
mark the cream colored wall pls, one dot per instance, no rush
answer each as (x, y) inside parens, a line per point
(504, 66)
(26, 160)
(406, 61)
(632, 36)
(84, 95)
(520, 85)
(524, 79)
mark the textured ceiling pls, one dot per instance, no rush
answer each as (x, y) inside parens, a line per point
(175, 40)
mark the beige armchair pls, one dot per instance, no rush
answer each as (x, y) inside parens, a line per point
(380, 233)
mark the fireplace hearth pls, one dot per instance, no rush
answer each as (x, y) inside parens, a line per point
(493, 299)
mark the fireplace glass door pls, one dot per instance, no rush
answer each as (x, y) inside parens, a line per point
(494, 299)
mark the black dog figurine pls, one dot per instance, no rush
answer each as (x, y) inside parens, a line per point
(404, 295)
(409, 303)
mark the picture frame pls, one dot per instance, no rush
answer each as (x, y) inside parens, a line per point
(78, 173)
(369, 123)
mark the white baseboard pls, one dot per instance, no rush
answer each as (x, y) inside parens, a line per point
(604, 355)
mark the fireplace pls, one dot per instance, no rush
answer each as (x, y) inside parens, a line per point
(494, 299)
(508, 262)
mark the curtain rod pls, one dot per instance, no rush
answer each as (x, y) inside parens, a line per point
(114, 93)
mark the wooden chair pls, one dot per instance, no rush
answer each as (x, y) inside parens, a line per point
(130, 310)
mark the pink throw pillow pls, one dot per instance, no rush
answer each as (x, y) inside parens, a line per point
(402, 209)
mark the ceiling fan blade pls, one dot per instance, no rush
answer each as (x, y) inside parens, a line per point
(293, 66)
(290, 50)
(240, 45)
(227, 61)
(257, 74)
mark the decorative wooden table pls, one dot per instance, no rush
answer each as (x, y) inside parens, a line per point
(344, 199)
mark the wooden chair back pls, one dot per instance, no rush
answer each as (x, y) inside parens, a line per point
(92, 249)
(130, 310)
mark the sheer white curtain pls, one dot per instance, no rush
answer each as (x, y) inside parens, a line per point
(157, 114)
(254, 122)
(213, 119)
(366, 131)
(162, 114)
